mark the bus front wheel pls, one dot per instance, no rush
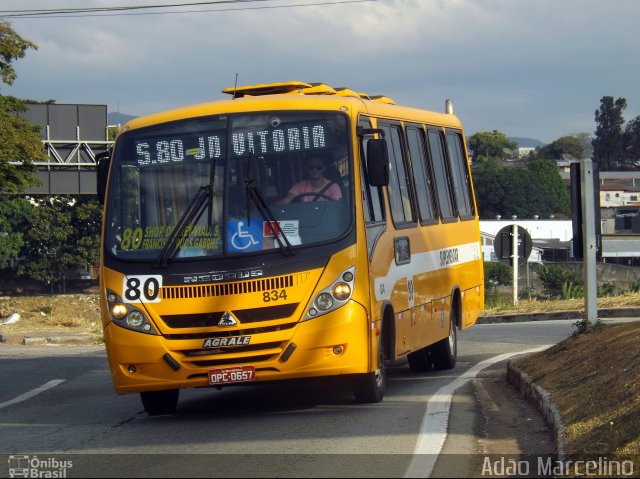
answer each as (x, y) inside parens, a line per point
(369, 387)
(160, 402)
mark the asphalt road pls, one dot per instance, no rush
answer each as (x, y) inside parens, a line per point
(294, 429)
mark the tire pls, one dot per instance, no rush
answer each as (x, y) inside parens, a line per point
(420, 361)
(444, 353)
(369, 387)
(160, 402)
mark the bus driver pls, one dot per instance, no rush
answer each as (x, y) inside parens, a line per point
(316, 187)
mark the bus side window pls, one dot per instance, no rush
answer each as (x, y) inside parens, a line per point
(422, 174)
(371, 197)
(441, 175)
(399, 190)
(460, 175)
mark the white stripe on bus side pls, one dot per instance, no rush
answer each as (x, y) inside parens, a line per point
(425, 263)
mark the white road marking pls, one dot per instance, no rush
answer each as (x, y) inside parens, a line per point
(34, 392)
(433, 430)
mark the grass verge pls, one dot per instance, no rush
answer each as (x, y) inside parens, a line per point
(626, 300)
(594, 380)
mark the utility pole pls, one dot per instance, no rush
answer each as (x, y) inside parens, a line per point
(514, 248)
(589, 241)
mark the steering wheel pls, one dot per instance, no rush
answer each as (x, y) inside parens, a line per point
(298, 198)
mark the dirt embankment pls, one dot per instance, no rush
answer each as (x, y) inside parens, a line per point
(71, 313)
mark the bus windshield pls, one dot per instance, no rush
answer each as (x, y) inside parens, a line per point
(227, 185)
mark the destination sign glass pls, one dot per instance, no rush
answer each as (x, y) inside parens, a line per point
(269, 135)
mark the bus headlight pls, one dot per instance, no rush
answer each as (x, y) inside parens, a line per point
(324, 301)
(118, 311)
(334, 296)
(135, 319)
(341, 291)
(126, 316)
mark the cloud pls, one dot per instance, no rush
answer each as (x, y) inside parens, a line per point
(528, 68)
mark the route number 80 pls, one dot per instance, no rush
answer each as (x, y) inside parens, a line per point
(141, 289)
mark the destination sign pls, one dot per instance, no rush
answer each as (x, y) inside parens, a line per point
(167, 150)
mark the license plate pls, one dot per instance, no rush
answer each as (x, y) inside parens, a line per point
(232, 375)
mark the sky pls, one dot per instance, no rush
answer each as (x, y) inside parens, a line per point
(527, 68)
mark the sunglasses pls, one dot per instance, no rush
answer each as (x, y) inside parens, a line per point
(315, 167)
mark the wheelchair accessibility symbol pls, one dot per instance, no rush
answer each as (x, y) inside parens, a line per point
(244, 236)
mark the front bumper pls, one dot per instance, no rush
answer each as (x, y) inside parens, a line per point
(336, 343)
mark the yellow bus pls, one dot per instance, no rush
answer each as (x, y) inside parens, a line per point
(293, 230)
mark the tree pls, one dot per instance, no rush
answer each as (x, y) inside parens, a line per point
(562, 147)
(522, 191)
(631, 142)
(488, 181)
(86, 222)
(13, 214)
(608, 142)
(19, 140)
(12, 47)
(490, 144)
(48, 251)
(59, 233)
(551, 195)
(518, 192)
(585, 139)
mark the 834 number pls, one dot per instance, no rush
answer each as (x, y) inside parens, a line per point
(274, 295)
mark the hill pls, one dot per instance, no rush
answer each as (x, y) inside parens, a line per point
(117, 118)
(526, 142)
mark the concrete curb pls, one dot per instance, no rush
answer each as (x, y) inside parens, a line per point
(541, 399)
(544, 316)
(49, 339)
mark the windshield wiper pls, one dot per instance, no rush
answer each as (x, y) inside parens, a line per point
(192, 212)
(268, 216)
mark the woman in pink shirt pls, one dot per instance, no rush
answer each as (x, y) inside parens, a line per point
(316, 187)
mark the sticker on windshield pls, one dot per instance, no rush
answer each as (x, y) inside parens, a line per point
(244, 236)
(289, 228)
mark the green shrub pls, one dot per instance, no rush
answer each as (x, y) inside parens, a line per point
(497, 302)
(527, 293)
(554, 278)
(634, 285)
(606, 289)
(572, 290)
(496, 274)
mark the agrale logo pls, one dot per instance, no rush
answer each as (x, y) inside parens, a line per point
(227, 320)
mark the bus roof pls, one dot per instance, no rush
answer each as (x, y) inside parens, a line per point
(296, 95)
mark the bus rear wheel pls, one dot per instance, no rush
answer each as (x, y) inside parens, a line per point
(160, 402)
(369, 387)
(445, 352)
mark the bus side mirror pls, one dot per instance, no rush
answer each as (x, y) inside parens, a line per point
(378, 162)
(102, 172)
